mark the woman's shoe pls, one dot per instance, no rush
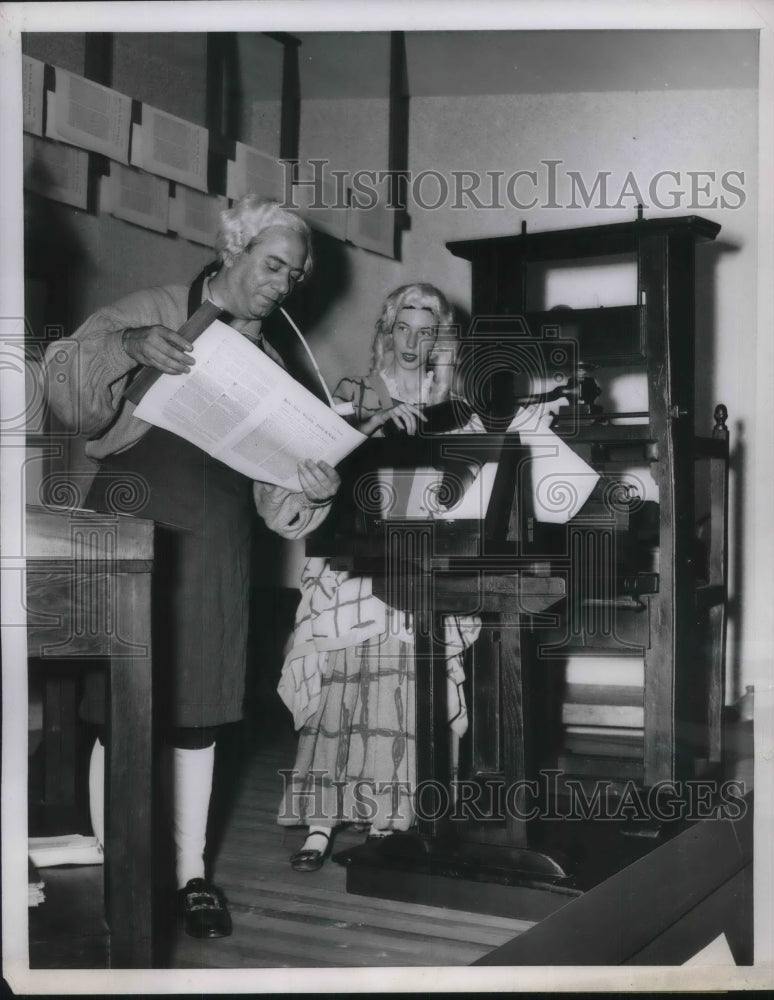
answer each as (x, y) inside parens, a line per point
(309, 860)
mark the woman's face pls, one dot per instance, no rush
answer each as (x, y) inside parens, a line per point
(413, 335)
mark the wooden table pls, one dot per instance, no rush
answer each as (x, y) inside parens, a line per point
(88, 596)
(434, 568)
(456, 863)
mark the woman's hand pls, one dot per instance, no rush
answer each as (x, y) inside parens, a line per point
(319, 481)
(405, 416)
(159, 347)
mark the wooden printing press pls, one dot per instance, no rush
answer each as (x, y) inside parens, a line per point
(485, 848)
(635, 579)
(472, 858)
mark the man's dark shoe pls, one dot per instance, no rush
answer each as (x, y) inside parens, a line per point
(204, 910)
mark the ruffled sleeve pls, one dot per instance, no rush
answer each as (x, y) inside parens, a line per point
(289, 514)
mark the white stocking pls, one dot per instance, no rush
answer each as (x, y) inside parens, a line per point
(97, 791)
(193, 786)
(317, 838)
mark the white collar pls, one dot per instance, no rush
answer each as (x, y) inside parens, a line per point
(424, 392)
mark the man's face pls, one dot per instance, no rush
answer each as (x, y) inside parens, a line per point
(264, 274)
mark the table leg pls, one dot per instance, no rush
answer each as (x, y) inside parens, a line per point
(433, 797)
(128, 813)
(59, 741)
(514, 757)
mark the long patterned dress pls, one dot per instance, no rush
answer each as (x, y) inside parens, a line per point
(349, 681)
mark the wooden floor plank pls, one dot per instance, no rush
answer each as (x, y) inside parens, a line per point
(369, 908)
(286, 919)
(434, 927)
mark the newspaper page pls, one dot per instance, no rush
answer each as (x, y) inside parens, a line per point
(372, 226)
(254, 171)
(32, 94)
(245, 410)
(322, 202)
(136, 197)
(56, 171)
(171, 147)
(194, 215)
(88, 115)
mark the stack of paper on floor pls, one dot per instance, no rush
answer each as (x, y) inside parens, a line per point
(70, 849)
(35, 886)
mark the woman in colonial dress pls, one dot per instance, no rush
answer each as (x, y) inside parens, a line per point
(349, 677)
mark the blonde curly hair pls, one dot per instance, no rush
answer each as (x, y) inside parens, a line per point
(241, 225)
(415, 296)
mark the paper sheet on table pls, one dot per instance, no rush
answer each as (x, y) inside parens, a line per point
(419, 494)
(561, 481)
(245, 410)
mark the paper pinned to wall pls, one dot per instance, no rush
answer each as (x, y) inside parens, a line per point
(171, 147)
(254, 172)
(32, 94)
(372, 226)
(136, 197)
(56, 171)
(194, 215)
(88, 115)
(322, 203)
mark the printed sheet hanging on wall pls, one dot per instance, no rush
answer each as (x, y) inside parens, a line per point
(194, 215)
(251, 171)
(321, 202)
(134, 196)
(88, 115)
(33, 71)
(371, 222)
(170, 147)
(56, 171)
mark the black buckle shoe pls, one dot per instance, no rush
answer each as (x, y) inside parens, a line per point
(204, 910)
(308, 860)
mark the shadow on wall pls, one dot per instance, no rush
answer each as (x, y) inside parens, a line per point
(707, 394)
(53, 261)
(309, 305)
(329, 281)
(707, 335)
(738, 473)
(54, 264)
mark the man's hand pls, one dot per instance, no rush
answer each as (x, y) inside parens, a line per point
(319, 481)
(158, 347)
